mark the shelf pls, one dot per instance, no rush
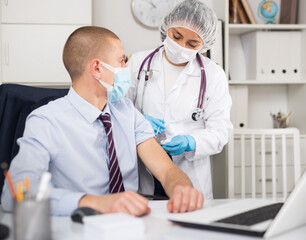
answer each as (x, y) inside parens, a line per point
(43, 85)
(254, 82)
(237, 29)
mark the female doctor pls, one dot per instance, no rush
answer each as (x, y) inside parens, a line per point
(184, 94)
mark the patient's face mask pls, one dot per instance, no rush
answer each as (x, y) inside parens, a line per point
(122, 82)
(176, 53)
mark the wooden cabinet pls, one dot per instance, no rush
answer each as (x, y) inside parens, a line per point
(33, 34)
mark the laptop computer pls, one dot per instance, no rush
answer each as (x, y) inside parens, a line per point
(256, 217)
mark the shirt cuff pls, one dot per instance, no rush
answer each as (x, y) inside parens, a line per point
(66, 204)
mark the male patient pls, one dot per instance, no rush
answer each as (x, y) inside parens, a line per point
(89, 139)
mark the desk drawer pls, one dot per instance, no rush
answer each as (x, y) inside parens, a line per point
(267, 152)
(258, 180)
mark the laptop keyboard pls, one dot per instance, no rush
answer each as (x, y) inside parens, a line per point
(254, 216)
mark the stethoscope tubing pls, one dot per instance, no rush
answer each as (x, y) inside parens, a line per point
(203, 83)
(196, 114)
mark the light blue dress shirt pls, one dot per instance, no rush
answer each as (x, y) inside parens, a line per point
(66, 138)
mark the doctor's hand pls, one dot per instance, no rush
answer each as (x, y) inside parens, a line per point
(157, 124)
(185, 199)
(180, 144)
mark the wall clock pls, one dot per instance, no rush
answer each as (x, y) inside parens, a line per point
(151, 12)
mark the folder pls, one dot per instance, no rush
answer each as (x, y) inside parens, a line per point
(293, 55)
(288, 12)
(248, 11)
(239, 111)
(273, 56)
(216, 51)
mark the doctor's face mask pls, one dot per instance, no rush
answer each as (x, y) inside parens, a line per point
(176, 53)
(122, 82)
(182, 45)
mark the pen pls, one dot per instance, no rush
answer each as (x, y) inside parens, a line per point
(19, 191)
(27, 186)
(44, 187)
(27, 183)
(288, 115)
(10, 183)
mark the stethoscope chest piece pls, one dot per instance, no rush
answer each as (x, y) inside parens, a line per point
(197, 114)
(148, 74)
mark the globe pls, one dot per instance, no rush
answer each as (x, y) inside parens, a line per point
(268, 10)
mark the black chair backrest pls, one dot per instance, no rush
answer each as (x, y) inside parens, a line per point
(16, 103)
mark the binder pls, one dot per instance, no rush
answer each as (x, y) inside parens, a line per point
(268, 57)
(216, 51)
(242, 14)
(293, 55)
(233, 11)
(248, 11)
(239, 111)
(288, 12)
(236, 61)
(273, 56)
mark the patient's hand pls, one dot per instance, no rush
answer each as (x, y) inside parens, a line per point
(127, 202)
(185, 199)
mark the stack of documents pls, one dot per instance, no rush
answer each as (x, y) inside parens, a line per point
(113, 226)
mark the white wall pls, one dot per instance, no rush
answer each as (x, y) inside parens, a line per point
(117, 16)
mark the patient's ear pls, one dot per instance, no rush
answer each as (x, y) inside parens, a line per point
(96, 68)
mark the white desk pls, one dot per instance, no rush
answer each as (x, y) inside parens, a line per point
(157, 227)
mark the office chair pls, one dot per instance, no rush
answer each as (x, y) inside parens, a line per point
(16, 103)
(263, 162)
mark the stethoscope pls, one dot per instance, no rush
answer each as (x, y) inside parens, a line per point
(196, 115)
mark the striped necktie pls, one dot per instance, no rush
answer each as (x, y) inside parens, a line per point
(115, 177)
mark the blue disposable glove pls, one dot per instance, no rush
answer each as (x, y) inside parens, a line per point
(180, 144)
(157, 124)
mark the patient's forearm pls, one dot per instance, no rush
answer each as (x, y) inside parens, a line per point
(174, 177)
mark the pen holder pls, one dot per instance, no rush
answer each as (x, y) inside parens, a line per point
(280, 123)
(32, 220)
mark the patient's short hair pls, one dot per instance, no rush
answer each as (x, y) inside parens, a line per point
(83, 45)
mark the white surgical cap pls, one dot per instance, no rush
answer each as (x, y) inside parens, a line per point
(195, 16)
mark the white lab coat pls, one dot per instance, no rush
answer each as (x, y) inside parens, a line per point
(211, 132)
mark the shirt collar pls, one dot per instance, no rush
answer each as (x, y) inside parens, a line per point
(87, 110)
